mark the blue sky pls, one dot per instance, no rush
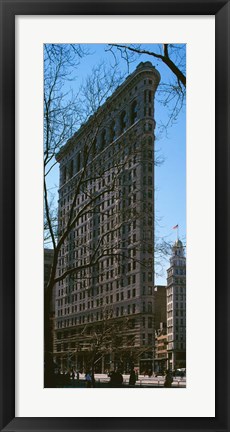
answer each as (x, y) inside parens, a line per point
(170, 176)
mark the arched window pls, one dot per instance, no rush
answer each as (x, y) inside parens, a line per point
(71, 169)
(123, 121)
(133, 116)
(112, 131)
(150, 96)
(94, 147)
(79, 161)
(63, 174)
(103, 139)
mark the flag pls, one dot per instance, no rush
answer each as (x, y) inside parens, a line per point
(175, 227)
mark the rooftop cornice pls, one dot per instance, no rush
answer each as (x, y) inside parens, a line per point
(141, 69)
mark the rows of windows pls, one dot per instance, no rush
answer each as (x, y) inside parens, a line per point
(98, 316)
(100, 289)
(120, 296)
(147, 307)
(128, 340)
(106, 136)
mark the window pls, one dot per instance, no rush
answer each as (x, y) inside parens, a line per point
(150, 339)
(103, 139)
(122, 121)
(64, 174)
(133, 112)
(79, 161)
(112, 131)
(71, 169)
(150, 96)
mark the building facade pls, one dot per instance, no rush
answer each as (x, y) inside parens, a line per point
(160, 305)
(176, 308)
(160, 353)
(104, 311)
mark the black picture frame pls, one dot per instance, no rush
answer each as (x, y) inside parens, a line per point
(9, 10)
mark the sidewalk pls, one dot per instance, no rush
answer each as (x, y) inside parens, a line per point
(102, 381)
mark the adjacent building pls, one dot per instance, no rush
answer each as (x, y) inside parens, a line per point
(161, 353)
(176, 308)
(160, 305)
(160, 349)
(104, 306)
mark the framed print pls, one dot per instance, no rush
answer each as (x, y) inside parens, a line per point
(105, 318)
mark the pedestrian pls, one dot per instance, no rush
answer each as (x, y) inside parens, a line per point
(93, 379)
(119, 379)
(116, 379)
(88, 379)
(168, 380)
(78, 376)
(132, 378)
(112, 379)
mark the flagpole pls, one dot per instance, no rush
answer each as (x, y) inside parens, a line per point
(177, 231)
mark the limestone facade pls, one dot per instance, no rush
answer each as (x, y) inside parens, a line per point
(107, 193)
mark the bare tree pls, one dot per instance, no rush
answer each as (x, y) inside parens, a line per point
(111, 336)
(62, 116)
(170, 94)
(165, 55)
(100, 175)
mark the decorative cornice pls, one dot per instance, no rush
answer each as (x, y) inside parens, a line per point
(141, 69)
